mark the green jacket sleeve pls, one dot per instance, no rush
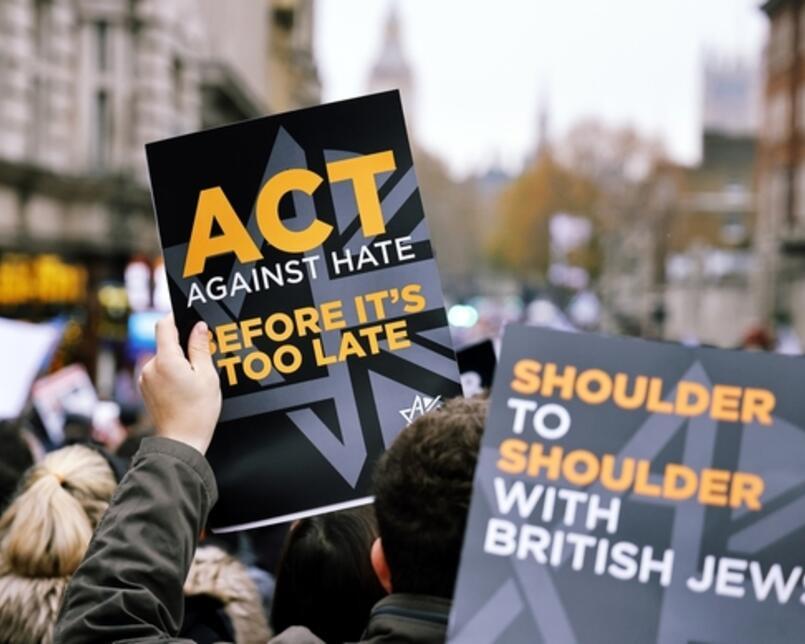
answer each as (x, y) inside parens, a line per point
(129, 586)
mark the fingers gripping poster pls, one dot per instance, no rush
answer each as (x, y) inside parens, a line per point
(301, 240)
(633, 491)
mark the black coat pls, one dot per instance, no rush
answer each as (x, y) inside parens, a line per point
(130, 584)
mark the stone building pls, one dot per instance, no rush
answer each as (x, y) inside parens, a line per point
(391, 69)
(452, 206)
(293, 79)
(84, 84)
(779, 287)
(678, 262)
(710, 235)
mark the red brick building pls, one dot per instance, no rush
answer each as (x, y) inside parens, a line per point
(780, 233)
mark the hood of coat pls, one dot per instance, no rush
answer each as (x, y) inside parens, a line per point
(221, 576)
(29, 607)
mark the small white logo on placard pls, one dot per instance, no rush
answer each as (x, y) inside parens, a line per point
(422, 405)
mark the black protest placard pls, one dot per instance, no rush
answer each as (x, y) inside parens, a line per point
(301, 240)
(634, 491)
(476, 363)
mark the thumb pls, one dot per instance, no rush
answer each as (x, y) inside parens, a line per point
(198, 347)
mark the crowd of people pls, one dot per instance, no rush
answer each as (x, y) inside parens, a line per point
(96, 547)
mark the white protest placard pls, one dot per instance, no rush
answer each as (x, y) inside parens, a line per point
(69, 390)
(25, 348)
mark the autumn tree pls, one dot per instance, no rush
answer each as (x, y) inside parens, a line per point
(595, 171)
(453, 208)
(521, 243)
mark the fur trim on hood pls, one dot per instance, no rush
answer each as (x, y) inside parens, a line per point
(29, 607)
(223, 577)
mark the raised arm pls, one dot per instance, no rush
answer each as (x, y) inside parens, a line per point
(129, 585)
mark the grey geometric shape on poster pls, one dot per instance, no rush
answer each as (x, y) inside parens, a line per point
(396, 397)
(493, 618)
(389, 206)
(440, 336)
(541, 594)
(382, 177)
(779, 459)
(331, 342)
(689, 518)
(421, 232)
(349, 287)
(348, 455)
(210, 311)
(436, 362)
(770, 528)
(339, 155)
(343, 193)
(286, 153)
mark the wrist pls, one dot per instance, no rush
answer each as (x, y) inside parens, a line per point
(198, 443)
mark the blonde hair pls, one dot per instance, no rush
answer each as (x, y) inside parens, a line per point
(46, 529)
(44, 534)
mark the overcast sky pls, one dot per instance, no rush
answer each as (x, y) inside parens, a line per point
(481, 66)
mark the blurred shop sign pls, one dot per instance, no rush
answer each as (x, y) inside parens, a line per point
(40, 279)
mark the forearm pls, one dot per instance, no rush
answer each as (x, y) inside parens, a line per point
(130, 582)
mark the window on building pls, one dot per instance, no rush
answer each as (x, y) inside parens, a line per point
(777, 196)
(177, 82)
(41, 27)
(102, 130)
(40, 79)
(103, 91)
(102, 45)
(801, 31)
(777, 117)
(801, 108)
(781, 41)
(284, 18)
(799, 199)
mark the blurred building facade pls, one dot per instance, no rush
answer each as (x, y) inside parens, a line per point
(391, 69)
(779, 288)
(709, 256)
(293, 78)
(452, 206)
(234, 63)
(678, 257)
(84, 85)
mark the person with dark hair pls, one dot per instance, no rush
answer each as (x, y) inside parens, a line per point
(129, 585)
(423, 485)
(15, 458)
(325, 580)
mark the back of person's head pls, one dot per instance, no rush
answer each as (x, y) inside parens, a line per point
(423, 485)
(46, 529)
(44, 534)
(325, 579)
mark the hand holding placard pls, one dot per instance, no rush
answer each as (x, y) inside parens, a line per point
(300, 239)
(183, 395)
